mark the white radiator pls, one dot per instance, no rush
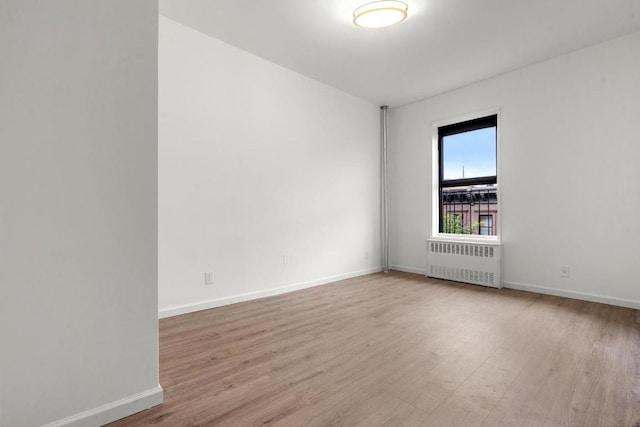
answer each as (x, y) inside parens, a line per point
(469, 262)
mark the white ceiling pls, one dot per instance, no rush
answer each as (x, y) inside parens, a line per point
(442, 45)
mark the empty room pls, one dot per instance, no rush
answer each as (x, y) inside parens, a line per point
(319, 213)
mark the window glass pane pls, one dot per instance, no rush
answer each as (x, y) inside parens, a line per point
(486, 225)
(469, 154)
(469, 210)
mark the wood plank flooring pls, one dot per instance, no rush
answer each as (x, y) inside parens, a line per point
(399, 349)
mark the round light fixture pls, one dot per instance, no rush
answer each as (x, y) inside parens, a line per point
(380, 14)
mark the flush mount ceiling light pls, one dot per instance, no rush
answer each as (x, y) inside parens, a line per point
(380, 14)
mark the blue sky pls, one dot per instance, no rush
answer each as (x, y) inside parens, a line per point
(475, 150)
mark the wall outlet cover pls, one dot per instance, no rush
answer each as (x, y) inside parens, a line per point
(208, 278)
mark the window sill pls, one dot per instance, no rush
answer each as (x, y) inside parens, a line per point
(457, 238)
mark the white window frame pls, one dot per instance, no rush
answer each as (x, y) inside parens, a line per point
(435, 183)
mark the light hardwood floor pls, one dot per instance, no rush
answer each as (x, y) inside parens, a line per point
(399, 349)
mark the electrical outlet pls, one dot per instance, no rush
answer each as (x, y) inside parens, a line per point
(564, 271)
(285, 260)
(366, 255)
(208, 278)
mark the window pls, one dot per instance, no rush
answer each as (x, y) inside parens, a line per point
(486, 225)
(467, 177)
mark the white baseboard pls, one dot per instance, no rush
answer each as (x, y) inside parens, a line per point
(219, 302)
(573, 294)
(406, 269)
(113, 411)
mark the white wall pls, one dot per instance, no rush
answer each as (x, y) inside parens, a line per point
(257, 163)
(570, 175)
(78, 218)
